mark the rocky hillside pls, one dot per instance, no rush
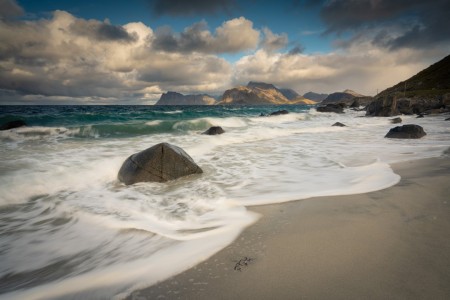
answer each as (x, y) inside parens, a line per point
(260, 93)
(427, 92)
(315, 96)
(174, 98)
(432, 81)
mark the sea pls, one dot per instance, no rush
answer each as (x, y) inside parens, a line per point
(70, 230)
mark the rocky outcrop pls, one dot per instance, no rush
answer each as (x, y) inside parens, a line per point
(391, 106)
(12, 124)
(315, 96)
(396, 120)
(279, 112)
(334, 108)
(160, 163)
(339, 124)
(409, 131)
(174, 98)
(383, 107)
(214, 130)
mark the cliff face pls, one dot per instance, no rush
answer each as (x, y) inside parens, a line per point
(173, 98)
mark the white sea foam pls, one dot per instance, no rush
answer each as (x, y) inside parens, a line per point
(110, 238)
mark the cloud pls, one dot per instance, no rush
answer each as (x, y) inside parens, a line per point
(232, 36)
(65, 57)
(192, 7)
(10, 9)
(392, 24)
(101, 31)
(273, 42)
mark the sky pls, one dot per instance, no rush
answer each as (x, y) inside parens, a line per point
(129, 52)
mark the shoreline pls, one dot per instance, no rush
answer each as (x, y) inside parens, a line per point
(392, 243)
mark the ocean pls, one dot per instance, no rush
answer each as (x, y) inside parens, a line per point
(70, 230)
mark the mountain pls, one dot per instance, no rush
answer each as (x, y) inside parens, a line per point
(174, 98)
(315, 96)
(290, 94)
(432, 81)
(426, 92)
(347, 97)
(257, 93)
(243, 95)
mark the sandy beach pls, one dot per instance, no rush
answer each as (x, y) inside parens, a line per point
(388, 244)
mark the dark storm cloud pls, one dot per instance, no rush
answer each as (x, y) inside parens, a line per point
(413, 23)
(102, 31)
(10, 9)
(233, 36)
(296, 50)
(191, 7)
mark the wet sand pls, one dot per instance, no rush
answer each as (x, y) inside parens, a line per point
(389, 244)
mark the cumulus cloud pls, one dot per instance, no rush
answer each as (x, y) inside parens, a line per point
(363, 68)
(273, 42)
(400, 23)
(232, 36)
(65, 57)
(192, 7)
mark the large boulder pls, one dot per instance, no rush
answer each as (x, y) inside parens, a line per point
(383, 107)
(160, 163)
(214, 130)
(409, 131)
(12, 124)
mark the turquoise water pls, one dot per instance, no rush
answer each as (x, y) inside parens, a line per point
(125, 121)
(70, 229)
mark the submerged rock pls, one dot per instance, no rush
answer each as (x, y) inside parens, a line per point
(214, 130)
(160, 163)
(419, 116)
(396, 120)
(409, 131)
(279, 112)
(12, 124)
(339, 124)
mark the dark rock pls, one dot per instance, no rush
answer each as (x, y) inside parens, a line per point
(335, 108)
(420, 116)
(262, 115)
(339, 124)
(279, 112)
(214, 130)
(12, 124)
(355, 104)
(409, 131)
(383, 107)
(448, 119)
(396, 120)
(159, 163)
